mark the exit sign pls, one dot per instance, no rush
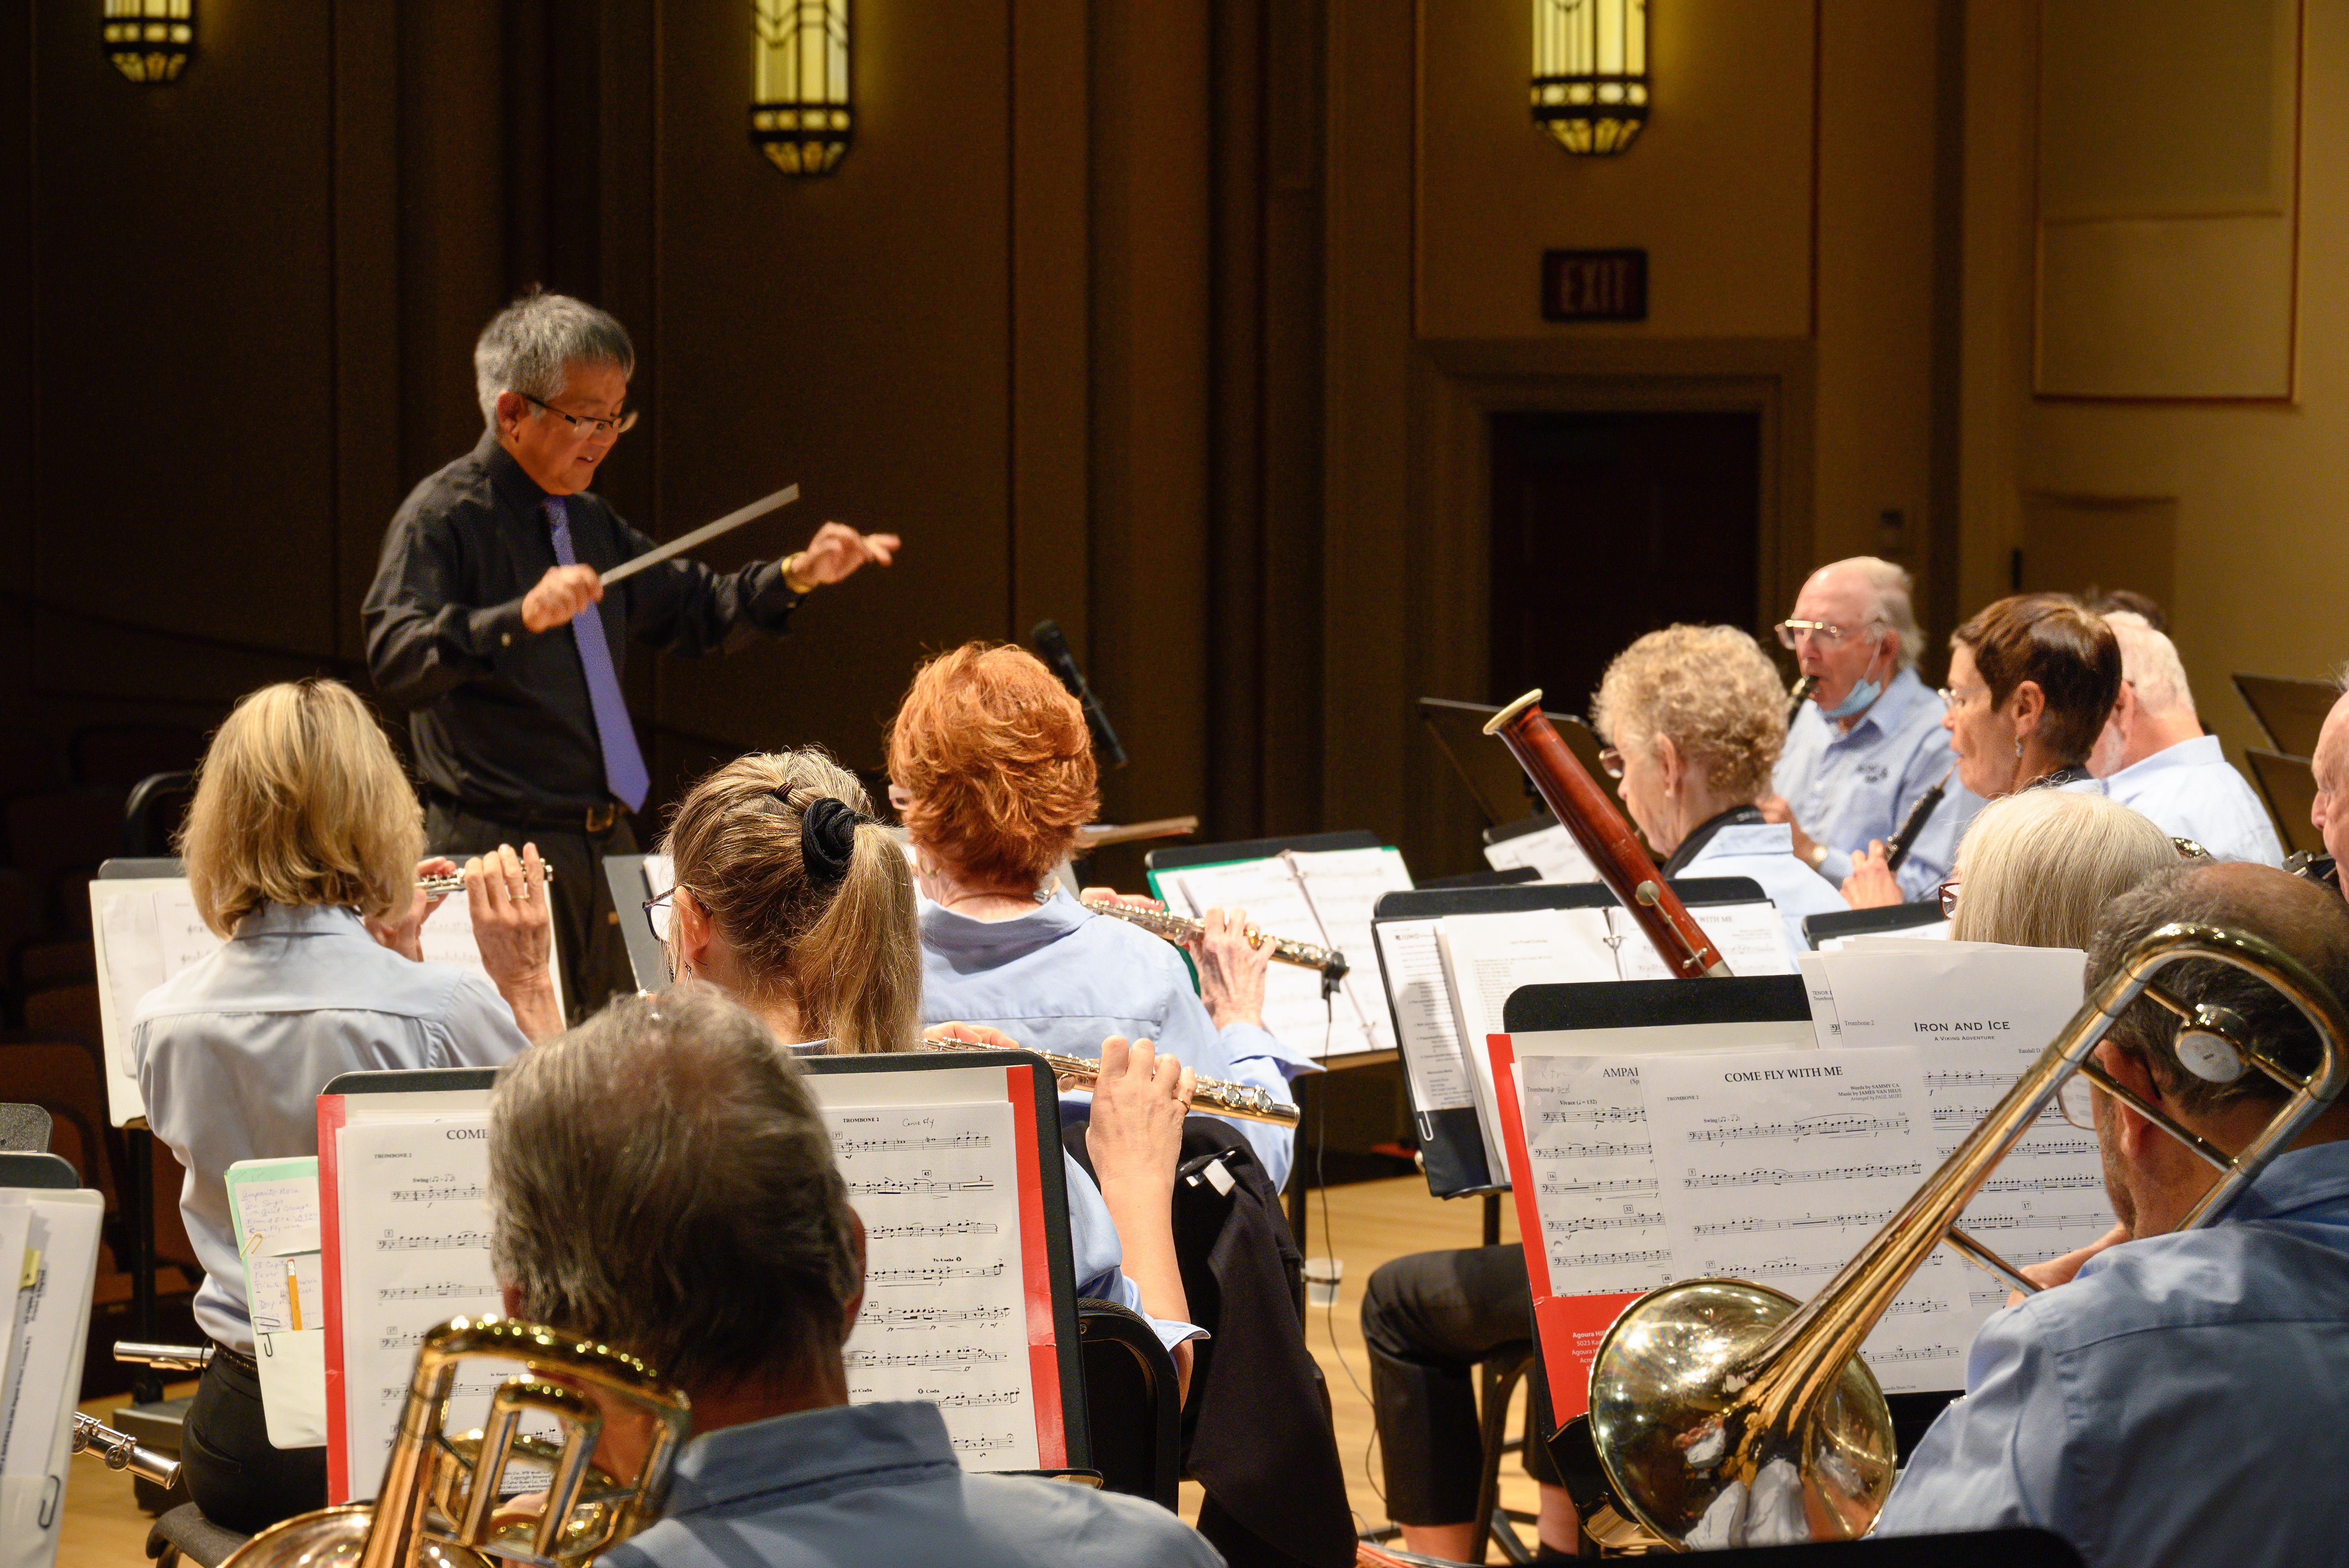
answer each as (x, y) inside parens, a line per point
(1594, 285)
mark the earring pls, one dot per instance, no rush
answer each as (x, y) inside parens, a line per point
(2018, 747)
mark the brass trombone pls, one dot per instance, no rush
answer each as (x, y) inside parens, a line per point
(440, 1493)
(1725, 1415)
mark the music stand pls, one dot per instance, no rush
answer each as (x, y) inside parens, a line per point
(1889, 921)
(2290, 789)
(647, 960)
(2289, 712)
(1494, 781)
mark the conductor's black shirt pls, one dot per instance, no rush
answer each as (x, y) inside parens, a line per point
(498, 714)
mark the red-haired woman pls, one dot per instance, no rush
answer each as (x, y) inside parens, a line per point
(991, 770)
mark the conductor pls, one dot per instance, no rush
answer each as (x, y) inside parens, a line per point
(489, 621)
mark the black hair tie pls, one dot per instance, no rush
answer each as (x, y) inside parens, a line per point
(828, 839)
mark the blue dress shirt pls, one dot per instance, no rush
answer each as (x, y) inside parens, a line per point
(1766, 851)
(2193, 792)
(233, 1050)
(866, 1485)
(1064, 978)
(1850, 788)
(2181, 1401)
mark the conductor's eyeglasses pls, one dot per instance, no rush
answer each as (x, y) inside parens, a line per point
(583, 427)
(1827, 634)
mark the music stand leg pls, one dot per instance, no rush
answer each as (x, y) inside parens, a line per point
(138, 1215)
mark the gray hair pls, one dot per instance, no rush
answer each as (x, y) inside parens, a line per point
(1894, 606)
(528, 346)
(2149, 663)
(660, 1180)
(2041, 865)
(2299, 917)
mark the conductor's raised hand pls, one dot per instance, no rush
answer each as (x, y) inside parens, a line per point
(836, 550)
(561, 595)
(1232, 957)
(405, 934)
(1139, 1101)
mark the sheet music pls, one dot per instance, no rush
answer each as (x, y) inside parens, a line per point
(1344, 887)
(1486, 956)
(1776, 1167)
(1751, 938)
(1594, 1169)
(48, 1325)
(1550, 851)
(448, 938)
(1411, 961)
(1275, 901)
(274, 1205)
(946, 1313)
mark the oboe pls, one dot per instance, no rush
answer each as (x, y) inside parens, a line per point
(1213, 1096)
(454, 883)
(1801, 695)
(1179, 929)
(1902, 841)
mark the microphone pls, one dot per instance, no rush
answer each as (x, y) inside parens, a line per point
(1052, 647)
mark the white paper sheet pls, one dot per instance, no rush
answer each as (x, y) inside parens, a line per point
(1826, 1022)
(1751, 938)
(1550, 851)
(1344, 887)
(1411, 963)
(1488, 956)
(1594, 1168)
(16, 1224)
(274, 1206)
(1268, 891)
(49, 1324)
(944, 1317)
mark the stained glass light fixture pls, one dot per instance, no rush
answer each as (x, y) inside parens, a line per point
(1590, 72)
(149, 40)
(800, 113)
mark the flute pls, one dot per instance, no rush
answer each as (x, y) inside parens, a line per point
(454, 883)
(1213, 1096)
(1179, 929)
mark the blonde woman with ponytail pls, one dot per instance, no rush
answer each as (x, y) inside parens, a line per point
(791, 898)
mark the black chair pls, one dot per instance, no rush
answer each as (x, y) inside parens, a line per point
(24, 1130)
(151, 816)
(185, 1535)
(1134, 1408)
(1497, 1376)
(43, 1171)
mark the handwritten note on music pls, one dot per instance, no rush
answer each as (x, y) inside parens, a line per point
(946, 1317)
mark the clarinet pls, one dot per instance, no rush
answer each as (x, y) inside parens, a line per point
(1902, 841)
(1801, 695)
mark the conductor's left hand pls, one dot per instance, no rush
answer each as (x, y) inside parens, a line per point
(838, 550)
(405, 934)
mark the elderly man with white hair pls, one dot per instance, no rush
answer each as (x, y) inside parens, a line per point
(489, 621)
(2154, 758)
(1869, 744)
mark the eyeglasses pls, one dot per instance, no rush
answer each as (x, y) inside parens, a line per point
(2076, 1101)
(585, 429)
(1612, 760)
(1825, 632)
(1954, 699)
(1950, 899)
(656, 915)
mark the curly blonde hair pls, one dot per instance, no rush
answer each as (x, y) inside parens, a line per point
(996, 754)
(1712, 690)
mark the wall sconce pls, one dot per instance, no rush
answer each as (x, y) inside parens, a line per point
(149, 40)
(1590, 72)
(799, 115)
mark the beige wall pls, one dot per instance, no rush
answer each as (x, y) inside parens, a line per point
(2259, 491)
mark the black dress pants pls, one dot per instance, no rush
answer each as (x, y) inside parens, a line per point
(593, 954)
(1429, 1319)
(235, 1474)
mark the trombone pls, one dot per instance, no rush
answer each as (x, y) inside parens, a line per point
(1726, 1415)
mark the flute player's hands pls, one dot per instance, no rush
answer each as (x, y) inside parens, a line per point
(561, 595)
(1231, 968)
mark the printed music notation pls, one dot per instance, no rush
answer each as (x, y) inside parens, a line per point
(445, 1290)
(1779, 1178)
(901, 1187)
(1775, 1268)
(433, 1242)
(1576, 1225)
(1913, 1353)
(2030, 1222)
(448, 1194)
(1606, 1260)
(844, 1146)
(1600, 1113)
(2073, 1183)
(959, 1357)
(1916, 1307)
(993, 1443)
(1593, 1151)
(905, 1318)
(1629, 1186)
(1809, 1127)
(951, 1228)
(1753, 1222)
(935, 1273)
(975, 1401)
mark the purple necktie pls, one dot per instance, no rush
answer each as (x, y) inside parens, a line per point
(624, 765)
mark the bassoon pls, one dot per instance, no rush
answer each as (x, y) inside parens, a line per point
(1582, 808)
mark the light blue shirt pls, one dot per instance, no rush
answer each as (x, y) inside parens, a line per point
(1848, 788)
(2183, 1402)
(865, 1485)
(1063, 979)
(1766, 851)
(233, 1050)
(2191, 791)
(1098, 1255)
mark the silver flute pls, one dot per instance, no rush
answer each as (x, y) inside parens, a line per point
(1212, 1097)
(442, 887)
(1179, 929)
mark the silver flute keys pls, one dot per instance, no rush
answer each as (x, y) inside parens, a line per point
(1212, 1097)
(1181, 928)
(454, 883)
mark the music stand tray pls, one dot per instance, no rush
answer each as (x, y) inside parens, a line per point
(2289, 712)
